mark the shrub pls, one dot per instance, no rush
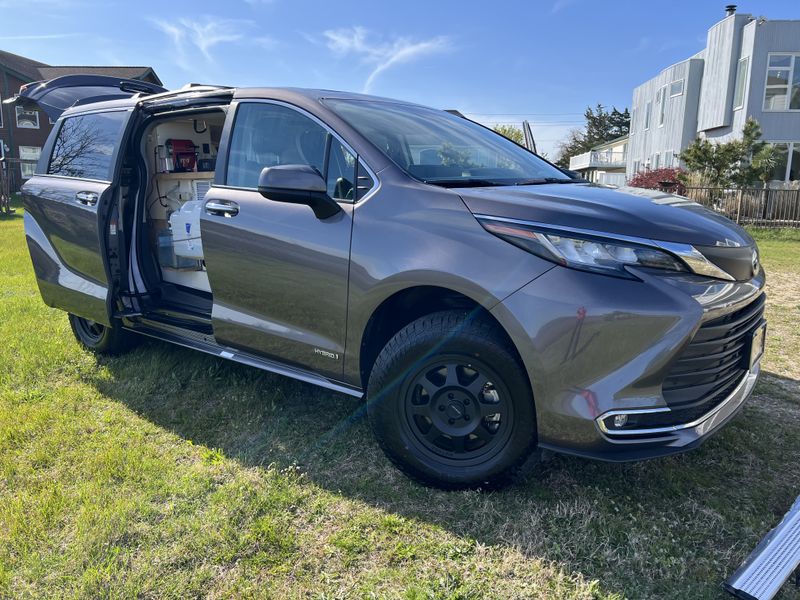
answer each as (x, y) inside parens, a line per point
(653, 178)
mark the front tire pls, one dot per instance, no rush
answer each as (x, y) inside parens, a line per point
(450, 404)
(101, 338)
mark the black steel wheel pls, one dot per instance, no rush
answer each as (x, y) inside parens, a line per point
(450, 404)
(101, 338)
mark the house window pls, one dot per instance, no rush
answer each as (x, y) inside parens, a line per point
(782, 90)
(647, 111)
(633, 120)
(787, 165)
(29, 156)
(637, 164)
(741, 82)
(27, 119)
(655, 160)
(668, 158)
(662, 105)
(676, 88)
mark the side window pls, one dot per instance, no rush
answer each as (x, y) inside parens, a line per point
(341, 172)
(85, 145)
(266, 135)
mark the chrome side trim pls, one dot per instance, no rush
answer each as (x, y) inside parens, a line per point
(690, 255)
(741, 392)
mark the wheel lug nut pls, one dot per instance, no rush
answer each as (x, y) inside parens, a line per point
(451, 421)
(466, 400)
(451, 396)
(466, 417)
(441, 407)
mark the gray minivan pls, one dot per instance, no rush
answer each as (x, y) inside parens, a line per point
(481, 300)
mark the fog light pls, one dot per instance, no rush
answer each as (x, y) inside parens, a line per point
(620, 421)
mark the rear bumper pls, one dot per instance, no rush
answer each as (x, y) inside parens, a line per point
(595, 347)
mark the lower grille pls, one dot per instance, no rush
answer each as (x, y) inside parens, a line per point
(712, 365)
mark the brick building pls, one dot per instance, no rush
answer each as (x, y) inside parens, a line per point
(23, 132)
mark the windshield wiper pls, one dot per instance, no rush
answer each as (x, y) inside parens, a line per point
(544, 180)
(464, 182)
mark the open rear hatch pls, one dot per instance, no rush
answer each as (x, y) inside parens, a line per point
(57, 95)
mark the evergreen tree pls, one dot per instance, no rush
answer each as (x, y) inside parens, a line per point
(601, 126)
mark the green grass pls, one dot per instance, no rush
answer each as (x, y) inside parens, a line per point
(167, 473)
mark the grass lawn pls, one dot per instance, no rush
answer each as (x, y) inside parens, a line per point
(167, 473)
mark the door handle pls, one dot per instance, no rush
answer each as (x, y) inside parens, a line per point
(86, 198)
(223, 208)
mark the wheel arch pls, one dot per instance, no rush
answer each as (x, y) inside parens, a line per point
(409, 304)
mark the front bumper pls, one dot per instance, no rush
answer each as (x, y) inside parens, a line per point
(595, 347)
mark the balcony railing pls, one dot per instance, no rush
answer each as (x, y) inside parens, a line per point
(598, 159)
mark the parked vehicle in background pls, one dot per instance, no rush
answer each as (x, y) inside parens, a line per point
(484, 302)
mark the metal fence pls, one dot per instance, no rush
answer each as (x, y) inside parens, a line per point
(11, 178)
(751, 206)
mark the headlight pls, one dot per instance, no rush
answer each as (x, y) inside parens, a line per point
(588, 253)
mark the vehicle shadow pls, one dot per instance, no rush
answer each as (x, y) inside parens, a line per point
(679, 523)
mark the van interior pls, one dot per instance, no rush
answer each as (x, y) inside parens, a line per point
(173, 172)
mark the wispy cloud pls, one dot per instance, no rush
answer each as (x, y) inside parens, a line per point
(203, 34)
(42, 36)
(381, 55)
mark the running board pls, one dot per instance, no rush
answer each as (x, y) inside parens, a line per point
(206, 343)
(773, 561)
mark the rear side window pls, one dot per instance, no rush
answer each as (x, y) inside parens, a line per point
(85, 145)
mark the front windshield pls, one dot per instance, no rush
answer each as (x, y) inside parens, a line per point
(437, 147)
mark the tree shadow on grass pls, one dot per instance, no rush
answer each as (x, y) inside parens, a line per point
(672, 527)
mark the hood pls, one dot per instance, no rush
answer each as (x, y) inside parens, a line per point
(624, 211)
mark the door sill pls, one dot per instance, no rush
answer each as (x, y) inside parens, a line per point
(205, 342)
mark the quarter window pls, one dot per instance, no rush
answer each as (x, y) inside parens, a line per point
(782, 90)
(85, 146)
(742, 69)
(29, 157)
(27, 119)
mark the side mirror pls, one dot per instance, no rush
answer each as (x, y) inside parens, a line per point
(297, 184)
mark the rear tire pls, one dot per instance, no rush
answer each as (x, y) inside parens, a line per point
(450, 404)
(101, 338)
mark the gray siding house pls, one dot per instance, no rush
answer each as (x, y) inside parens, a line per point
(750, 67)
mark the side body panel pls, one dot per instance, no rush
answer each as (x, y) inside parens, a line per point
(66, 246)
(279, 279)
(410, 234)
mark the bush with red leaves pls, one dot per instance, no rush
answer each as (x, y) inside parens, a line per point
(653, 179)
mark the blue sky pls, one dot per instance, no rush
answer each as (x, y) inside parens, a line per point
(544, 60)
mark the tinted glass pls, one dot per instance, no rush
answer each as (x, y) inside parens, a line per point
(341, 172)
(85, 145)
(266, 135)
(438, 147)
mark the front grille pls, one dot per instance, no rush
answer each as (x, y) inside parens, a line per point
(713, 363)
